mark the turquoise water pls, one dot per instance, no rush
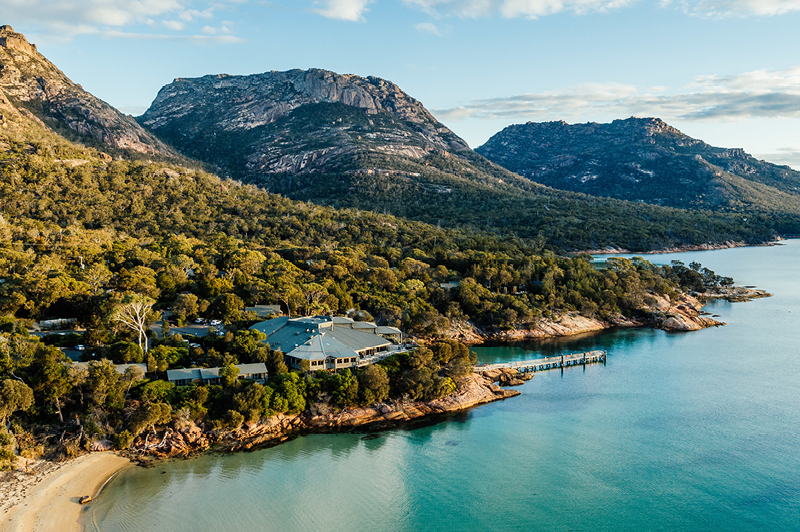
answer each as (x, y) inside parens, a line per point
(679, 431)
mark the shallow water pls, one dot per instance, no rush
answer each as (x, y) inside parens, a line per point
(678, 431)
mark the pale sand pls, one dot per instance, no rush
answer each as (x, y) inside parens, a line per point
(48, 501)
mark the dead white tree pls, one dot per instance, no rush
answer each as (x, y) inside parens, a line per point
(134, 313)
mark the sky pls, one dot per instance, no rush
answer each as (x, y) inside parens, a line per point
(724, 71)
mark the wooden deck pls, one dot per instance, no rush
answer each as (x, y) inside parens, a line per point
(542, 364)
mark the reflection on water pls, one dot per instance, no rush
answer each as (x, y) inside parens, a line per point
(683, 431)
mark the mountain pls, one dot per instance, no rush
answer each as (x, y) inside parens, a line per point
(292, 121)
(35, 87)
(646, 160)
(350, 141)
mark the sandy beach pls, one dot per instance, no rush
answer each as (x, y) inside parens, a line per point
(47, 500)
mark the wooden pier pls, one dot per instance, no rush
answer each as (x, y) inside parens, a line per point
(542, 364)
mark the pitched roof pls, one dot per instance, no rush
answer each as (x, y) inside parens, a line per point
(183, 374)
(356, 339)
(212, 373)
(250, 369)
(321, 347)
(209, 373)
(316, 338)
(270, 326)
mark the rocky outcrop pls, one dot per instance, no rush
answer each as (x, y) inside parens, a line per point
(8, 113)
(734, 294)
(685, 314)
(30, 81)
(247, 102)
(476, 390)
(294, 121)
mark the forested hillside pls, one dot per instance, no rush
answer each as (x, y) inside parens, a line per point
(75, 225)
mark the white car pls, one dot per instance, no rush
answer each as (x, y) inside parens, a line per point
(80, 347)
(216, 322)
(199, 321)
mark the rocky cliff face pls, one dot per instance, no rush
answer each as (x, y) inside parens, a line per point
(294, 121)
(640, 159)
(32, 83)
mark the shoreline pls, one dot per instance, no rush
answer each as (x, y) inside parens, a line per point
(682, 249)
(685, 314)
(478, 390)
(48, 499)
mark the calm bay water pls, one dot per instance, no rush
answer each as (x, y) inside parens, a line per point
(679, 431)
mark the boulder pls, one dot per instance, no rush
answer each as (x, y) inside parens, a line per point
(101, 445)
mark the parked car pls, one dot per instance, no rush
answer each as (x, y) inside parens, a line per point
(216, 322)
(200, 321)
(80, 347)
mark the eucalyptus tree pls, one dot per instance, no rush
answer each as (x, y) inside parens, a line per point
(136, 313)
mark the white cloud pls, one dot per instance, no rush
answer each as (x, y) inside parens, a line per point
(513, 8)
(190, 15)
(66, 18)
(87, 12)
(173, 25)
(427, 27)
(226, 39)
(223, 29)
(789, 156)
(762, 93)
(352, 10)
(723, 8)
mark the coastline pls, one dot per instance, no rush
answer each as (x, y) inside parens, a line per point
(46, 496)
(685, 314)
(478, 390)
(48, 499)
(679, 249)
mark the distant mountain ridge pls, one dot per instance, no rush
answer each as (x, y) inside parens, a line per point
(34, 86)
(641, 159)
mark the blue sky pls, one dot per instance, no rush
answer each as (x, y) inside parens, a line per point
(725, 71)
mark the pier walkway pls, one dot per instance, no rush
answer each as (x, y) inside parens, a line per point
(541, 364)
